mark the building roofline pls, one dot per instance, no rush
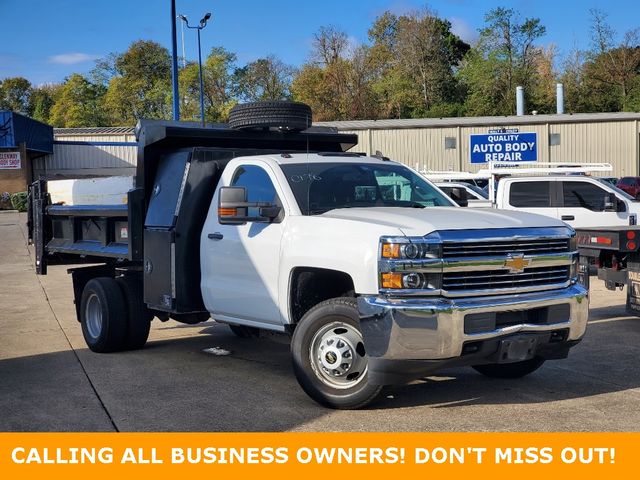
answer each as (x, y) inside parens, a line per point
(82, 131)
(481, 121)
(411, 123)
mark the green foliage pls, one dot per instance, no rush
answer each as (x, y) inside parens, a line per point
(264, 79)
(413, 65)
(15, 93)
(19, 201)
(139, 83)
(79, 104)
(42, 100)
(415, 57)
(505, 57)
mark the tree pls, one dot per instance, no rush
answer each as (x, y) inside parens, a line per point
(79, 104)
(542, 93)
(337, 80)
(612, 70)
(219, 86)
(505, 57)
(264, 79)
(140, 85)
(321, 82)
(189, 88)
(42, 100)
(14, 94)
(415, 56)
(576, 95)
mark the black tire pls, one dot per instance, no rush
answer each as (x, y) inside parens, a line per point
(103, 315)
(242, 331)
(139, 316)
(290, 116)
(510, 370)
(316, 381)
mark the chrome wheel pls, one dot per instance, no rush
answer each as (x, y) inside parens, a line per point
(93, 316)
(337, 355)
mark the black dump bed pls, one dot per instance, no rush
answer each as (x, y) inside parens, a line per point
(158, 231)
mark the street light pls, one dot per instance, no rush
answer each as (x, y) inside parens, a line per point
(203, 23)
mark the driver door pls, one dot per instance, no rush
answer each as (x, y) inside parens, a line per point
(240, 263)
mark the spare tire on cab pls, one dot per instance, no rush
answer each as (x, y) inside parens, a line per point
(286, 116)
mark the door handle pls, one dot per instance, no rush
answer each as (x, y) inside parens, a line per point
(215, 236)
(567, 217)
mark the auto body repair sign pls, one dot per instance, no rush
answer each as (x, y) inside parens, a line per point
(510, 146)
(10, 161)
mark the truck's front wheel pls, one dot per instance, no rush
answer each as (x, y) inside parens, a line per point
(329, 359)
(103, 315)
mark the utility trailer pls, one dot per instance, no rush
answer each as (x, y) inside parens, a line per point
(614, 254)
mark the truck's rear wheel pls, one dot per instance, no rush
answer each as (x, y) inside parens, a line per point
(139, 315)
(103, 315)
(329, 359)
(510, 370)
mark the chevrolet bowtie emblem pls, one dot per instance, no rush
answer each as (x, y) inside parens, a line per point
(516, 263)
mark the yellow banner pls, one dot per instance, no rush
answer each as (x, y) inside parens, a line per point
(319, 455)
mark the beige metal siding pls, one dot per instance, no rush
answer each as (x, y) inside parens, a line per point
(616, 142)
(611, 142)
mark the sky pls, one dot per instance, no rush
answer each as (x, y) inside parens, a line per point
(47, 40)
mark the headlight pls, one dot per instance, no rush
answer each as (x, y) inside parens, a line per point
(411, 264)
(573, 269)
(409, 248)
(573, 243)
(411, 281)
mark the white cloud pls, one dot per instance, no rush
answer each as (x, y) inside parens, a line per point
(72, 58)
(462, 29)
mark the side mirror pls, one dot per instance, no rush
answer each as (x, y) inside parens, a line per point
(609, 205)
(233, 208)
(459, 195)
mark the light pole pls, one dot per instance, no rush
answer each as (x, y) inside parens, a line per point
(203, 23)
(174, 64)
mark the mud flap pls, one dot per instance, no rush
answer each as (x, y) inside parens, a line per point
(633, 288)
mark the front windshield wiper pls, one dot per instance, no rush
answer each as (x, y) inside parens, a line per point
(408, 204)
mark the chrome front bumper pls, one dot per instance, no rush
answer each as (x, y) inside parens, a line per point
(432, 329)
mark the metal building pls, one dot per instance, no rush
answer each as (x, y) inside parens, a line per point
(444, 143)
(425, 144)
(89, 152)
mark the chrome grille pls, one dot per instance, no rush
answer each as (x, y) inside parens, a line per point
(501, 279)
(498, 248)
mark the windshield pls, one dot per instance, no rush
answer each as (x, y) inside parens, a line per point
(618, 191)
(478, 190)
(320, 187)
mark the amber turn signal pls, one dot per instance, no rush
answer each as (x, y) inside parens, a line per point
(390, 250)
(227, 212)
(392, 280)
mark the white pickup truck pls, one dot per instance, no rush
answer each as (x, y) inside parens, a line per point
(578, 200)
(377, 275)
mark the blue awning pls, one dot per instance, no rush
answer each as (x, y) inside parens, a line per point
(16, 129)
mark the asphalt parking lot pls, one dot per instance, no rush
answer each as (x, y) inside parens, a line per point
(50, 381)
